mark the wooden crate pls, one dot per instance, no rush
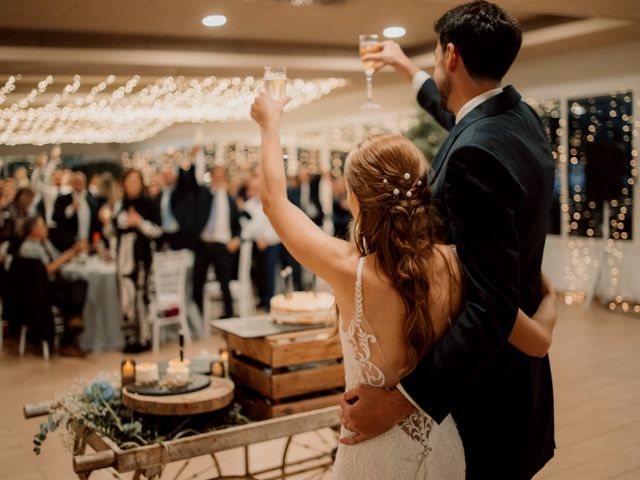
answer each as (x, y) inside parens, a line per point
(287, 373)
(257, 406)
(288, 349)
(281, 383)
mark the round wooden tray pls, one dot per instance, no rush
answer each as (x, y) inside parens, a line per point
(217, 395)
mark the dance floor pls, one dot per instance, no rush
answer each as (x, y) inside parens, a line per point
(596, 366)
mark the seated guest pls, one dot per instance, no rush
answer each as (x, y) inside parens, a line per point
(68, 296)
(217, 223)
(258, 229)
(135, 227)
(75, 214)
(13, 218)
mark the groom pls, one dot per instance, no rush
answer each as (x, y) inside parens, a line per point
(493, 180)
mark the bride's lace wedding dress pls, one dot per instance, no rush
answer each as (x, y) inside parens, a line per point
(416, 448)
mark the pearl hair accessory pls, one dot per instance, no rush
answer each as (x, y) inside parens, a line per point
(409, 192)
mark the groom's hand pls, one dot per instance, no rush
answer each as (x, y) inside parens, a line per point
(370, 411)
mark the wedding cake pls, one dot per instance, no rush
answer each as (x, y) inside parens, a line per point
(304, 308)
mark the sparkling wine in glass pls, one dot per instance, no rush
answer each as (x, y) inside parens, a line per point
(275, 81)
(369, 44)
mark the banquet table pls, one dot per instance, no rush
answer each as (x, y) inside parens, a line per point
(101, 314)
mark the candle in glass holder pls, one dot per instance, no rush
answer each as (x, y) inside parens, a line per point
(217, 369)
(224, 355)
(128, 371)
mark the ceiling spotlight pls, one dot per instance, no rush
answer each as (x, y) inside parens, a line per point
(214, 20)
(394, 32)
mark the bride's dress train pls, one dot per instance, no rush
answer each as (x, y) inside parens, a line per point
(417, 448)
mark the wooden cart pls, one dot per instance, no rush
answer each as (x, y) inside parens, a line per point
(310, 439)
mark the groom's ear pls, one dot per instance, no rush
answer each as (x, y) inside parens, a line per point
(452, 58)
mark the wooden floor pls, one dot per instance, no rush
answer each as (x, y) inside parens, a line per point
(596, 367)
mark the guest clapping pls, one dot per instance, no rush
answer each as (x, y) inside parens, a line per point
(75, 214)
(135, 227)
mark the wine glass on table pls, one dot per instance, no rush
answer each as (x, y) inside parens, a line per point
(275, 81)
(369, 44)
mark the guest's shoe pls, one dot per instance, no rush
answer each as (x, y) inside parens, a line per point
(71, 351)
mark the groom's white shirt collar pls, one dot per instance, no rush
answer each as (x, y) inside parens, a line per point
(422, 76)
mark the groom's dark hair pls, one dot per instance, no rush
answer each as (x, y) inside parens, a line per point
(487, 37)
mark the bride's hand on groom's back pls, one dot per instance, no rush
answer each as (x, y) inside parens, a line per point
(370, 411)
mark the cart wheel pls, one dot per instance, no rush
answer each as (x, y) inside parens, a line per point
(310, 455)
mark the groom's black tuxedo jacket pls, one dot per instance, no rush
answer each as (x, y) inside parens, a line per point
(492, 180)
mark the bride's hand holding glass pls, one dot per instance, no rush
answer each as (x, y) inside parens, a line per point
(267, 111)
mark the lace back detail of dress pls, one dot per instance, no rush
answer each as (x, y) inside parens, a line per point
(362, 345)
(361, 341)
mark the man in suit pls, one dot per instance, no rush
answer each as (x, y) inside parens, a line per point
(175, 204)
(217, 223)
(493, 180)
(75, 214)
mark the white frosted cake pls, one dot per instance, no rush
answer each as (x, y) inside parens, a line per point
(147, 372)
(304, 308)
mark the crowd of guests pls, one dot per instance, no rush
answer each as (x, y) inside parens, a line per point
(55, 215)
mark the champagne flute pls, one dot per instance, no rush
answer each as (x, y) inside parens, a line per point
(369, 44)
(275, 81)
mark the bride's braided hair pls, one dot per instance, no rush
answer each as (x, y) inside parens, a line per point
(398, 223)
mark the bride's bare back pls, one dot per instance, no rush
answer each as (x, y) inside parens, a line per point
(384, 311)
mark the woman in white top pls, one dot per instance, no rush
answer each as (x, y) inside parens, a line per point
(397, 288)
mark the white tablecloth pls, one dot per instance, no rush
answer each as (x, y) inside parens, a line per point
(101, 314)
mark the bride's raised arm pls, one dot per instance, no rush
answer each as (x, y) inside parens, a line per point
(321, 253)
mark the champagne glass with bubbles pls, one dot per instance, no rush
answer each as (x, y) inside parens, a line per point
(369, 44)
(275, 81)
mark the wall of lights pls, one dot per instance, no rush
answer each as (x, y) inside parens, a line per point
(596, 169)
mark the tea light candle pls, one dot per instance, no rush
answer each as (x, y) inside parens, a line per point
(127, 372)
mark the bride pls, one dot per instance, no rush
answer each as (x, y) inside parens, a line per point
(397, 288)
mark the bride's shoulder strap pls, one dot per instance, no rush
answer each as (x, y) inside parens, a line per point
(358, 296)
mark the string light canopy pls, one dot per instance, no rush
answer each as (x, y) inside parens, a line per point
(124, 111)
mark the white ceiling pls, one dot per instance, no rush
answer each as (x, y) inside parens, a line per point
(156, 38)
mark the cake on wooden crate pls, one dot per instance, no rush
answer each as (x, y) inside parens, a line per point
(304, 308)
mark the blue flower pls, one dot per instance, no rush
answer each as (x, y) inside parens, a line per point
(99, 390)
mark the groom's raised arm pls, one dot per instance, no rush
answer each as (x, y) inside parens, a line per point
(429, 98)
(481, 198)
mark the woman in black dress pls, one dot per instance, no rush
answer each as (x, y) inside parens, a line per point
(135, 227)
